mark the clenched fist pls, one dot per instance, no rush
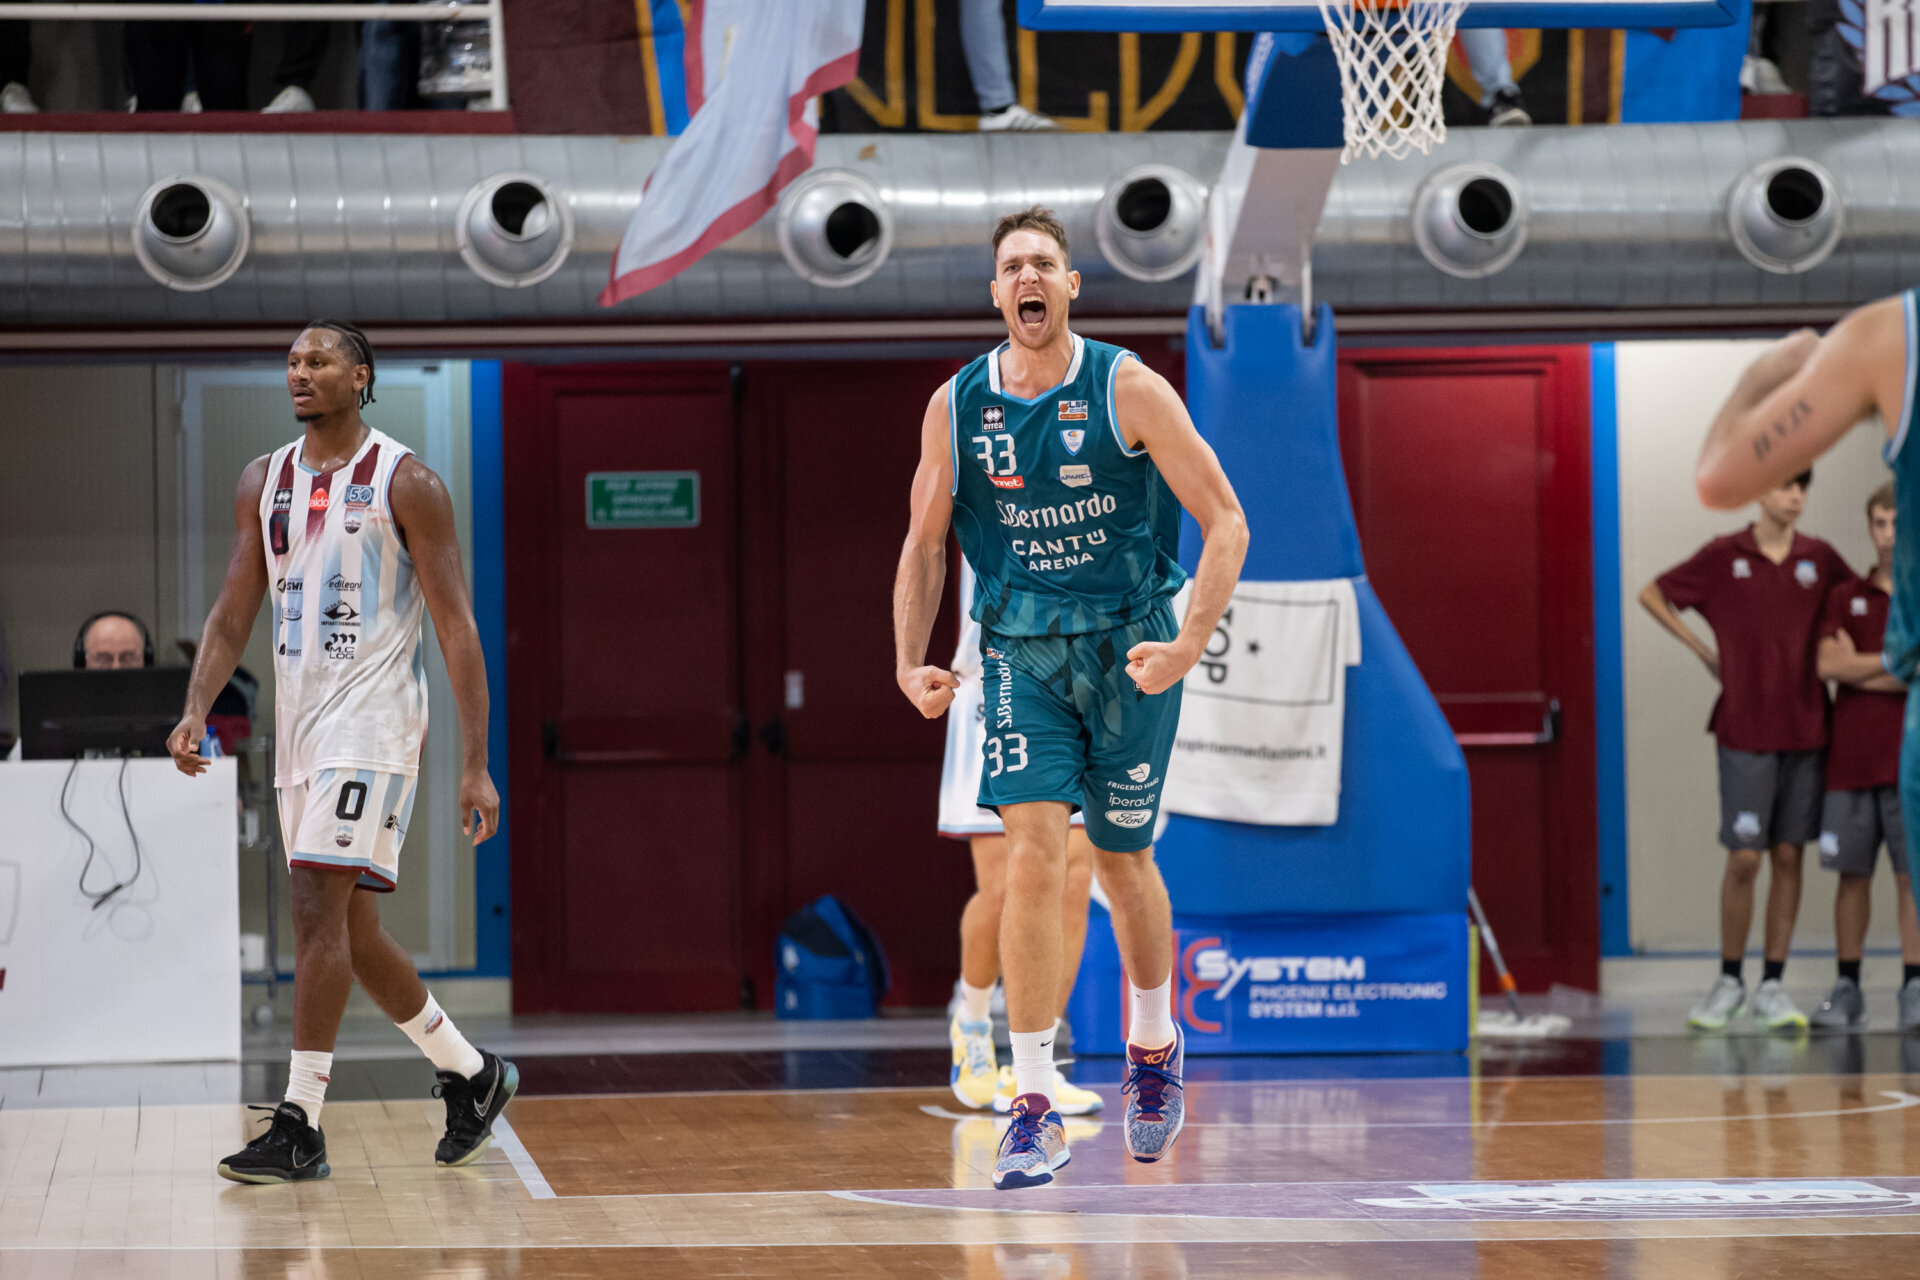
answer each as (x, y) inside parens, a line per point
(929, 688)
(1156, 667)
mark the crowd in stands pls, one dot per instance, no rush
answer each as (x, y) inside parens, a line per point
(208, 66)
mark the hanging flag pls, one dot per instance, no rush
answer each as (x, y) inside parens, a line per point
(762, 64)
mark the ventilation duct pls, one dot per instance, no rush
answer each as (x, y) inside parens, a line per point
(834, 228)
(191, 233)
(1785, 215)
(1152, 223)
(514, 230)
(1470, 220)
(1617, 219)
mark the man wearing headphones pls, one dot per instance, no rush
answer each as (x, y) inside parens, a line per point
(111, 641)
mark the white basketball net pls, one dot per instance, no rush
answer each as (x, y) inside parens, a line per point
(1393, 62)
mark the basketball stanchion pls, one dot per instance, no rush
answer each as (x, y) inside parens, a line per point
(1511, 1023)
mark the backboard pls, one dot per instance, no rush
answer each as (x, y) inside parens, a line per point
(1304, 15)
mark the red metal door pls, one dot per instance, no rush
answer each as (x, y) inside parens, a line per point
(1469, 471)
(855, 805)
(624, 696)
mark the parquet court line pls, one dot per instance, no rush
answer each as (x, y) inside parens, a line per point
(522, 1160)
(1901, 1102)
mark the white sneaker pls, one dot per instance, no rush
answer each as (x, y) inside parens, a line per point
(292, 98)
(15, 100)
(1774, 1009)
(1762, 75)
(1017, 119)
(1725, 999)
(190, 105)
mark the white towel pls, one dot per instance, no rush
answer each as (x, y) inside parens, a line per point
(1264, 710)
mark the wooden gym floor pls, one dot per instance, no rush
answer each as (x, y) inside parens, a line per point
(1740, 1159)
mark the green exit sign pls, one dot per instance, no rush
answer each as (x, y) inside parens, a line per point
(643, 499)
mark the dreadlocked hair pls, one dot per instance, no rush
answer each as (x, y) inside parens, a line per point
(356, 340)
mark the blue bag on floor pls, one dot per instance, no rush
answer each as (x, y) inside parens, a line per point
(827, 964)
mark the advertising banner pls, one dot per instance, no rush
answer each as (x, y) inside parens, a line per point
(1292, 984)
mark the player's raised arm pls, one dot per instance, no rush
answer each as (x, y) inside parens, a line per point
(923, 566)
(224, 638)
(424, 512)
(1152, 414)
(1799, 398)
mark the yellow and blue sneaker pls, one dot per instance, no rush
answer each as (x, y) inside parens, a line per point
(975, 1073)
(1156, 1100)
(1069, 1099)
(1034, 1145)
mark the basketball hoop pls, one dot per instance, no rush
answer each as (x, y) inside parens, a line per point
(1393, 63)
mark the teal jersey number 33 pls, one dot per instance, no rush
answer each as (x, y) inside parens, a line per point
(1068, 530)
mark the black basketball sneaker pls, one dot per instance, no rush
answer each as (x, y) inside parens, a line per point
(291, 1150)
(472, 1107)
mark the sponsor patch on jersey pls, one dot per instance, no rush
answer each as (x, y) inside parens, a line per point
(1008, 482)
(1076, 477)
(1129, 817)
(1142, 771)
(993, 417)
(994, 654)
(343, 836)
(353, 520)
(359, 495)
(319, 501)
(1073, 438)
(1806, 573)
(340, 613)
(1073, 411)
(1741, 569)
(1859, 606)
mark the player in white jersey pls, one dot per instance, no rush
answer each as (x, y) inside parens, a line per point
(977, 1078)
(353, 537)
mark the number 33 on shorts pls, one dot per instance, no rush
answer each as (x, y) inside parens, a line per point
(1010, 758)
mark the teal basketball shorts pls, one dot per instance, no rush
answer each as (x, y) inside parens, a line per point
(1064, 722)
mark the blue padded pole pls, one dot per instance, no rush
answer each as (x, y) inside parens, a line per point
(1265, 400)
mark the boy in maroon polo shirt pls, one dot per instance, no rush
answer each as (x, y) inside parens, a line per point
(1863, 777)
(1762, 590)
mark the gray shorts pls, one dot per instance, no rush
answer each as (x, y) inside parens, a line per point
(1770, 797)
(1852, 826)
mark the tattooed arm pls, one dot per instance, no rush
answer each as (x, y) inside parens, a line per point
(1797, 400)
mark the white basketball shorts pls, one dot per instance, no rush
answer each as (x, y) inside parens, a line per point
(349, 818)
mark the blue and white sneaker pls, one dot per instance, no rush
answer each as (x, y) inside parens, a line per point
(1033, 1146)
(1156, 1100)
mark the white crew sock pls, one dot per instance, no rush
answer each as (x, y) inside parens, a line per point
(1033, 1063)
(1150, 1024)
(441, 1041)
(976, 1003)
(307, 1076)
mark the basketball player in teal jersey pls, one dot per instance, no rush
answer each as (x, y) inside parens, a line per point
(1793, 404)
(1058, 462)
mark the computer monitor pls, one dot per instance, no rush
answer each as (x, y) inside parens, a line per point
(69, 714)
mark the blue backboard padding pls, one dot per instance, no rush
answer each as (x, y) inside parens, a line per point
(1680, 77)
(1077, 15)
(1293, 95)
(1265, 401)
(1404, 838)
